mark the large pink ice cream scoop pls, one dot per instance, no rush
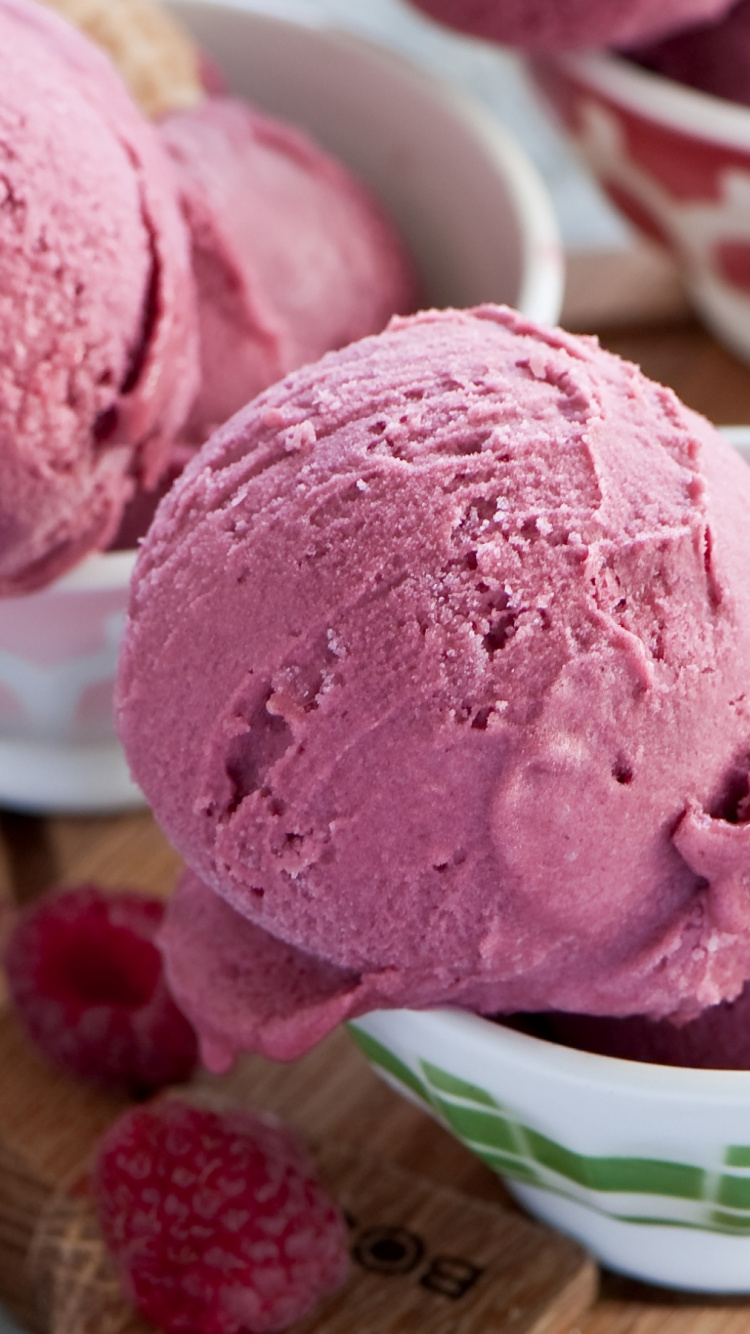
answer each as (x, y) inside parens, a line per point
(292, 256)
(437, 675)
(551, 25)
(98, 357)
(714, 57)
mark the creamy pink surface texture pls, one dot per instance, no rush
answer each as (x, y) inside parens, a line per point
(291, 255)
(714, 57)
(436, 674)
(98, 339)
(549, 25)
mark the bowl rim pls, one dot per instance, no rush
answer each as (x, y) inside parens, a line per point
(542, 280)
(465, 1030)
(542, 277)
(654, 97)
(99, 571)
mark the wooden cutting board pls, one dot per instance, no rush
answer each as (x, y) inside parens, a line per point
(436, 1245)
(425, 1256)
(419, 1202)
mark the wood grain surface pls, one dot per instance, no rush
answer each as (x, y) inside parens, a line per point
(332, 1095)
(475, 1261)
(426, 1256)
(47, 1124)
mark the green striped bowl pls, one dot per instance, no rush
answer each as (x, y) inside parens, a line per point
(648, 1165)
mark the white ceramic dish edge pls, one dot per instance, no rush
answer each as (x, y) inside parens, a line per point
(684, 109)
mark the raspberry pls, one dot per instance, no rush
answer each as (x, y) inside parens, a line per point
(87, 983)
(216, 1221)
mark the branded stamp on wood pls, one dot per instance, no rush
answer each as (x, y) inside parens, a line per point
(423, 1256)
(429, 1258)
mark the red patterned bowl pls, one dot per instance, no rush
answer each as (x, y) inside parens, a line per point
(676, 162)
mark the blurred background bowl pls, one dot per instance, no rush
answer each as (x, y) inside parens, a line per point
(58, 654)
(471, 207)
(480, 225)
(676, 162)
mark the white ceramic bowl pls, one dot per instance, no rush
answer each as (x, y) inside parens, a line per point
(472, 208)
(649, 1166)
(481, 228)
(58, 654)
(677, 162)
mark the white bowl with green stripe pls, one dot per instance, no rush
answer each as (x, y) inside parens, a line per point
(649, 1166)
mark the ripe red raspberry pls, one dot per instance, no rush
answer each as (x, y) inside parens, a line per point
(217, 1222)
(87, 983)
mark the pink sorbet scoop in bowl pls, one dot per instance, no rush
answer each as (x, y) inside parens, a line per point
(291, 255)
(98, 367)
(471, 211)
(453, 703)
(453, 713)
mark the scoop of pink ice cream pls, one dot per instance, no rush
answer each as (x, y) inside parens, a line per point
(98, 359)
(436, 671)
(550, 25)
(714, 57)
(292, 257)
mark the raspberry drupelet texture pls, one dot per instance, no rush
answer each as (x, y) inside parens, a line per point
(217, 1221)
(87, 983)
